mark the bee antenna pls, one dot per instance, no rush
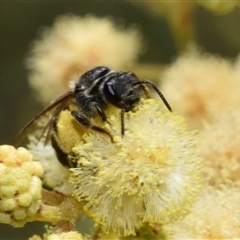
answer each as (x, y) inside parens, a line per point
(158, 92)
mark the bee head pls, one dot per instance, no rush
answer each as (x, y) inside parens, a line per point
(122, 91)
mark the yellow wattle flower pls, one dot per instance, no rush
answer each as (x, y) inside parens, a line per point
(50, 235)
(74, 45)
(215, 215)
(20, 186)
(150, 175)
(72, 235)
(204, 80)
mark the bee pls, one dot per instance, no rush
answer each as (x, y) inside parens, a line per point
(89, 98)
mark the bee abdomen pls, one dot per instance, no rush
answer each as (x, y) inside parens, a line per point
(61, 155)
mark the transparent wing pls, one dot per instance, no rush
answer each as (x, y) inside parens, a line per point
(53, 110)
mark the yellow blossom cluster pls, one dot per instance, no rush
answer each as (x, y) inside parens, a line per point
(220, 141)
(205, 89)
(143, 233)
(216, 215)
(20, 186)
(151, 175)
(65, 236)
(201, 86)
(74, 45)
(72, 235)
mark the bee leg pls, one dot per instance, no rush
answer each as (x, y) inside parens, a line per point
(85, 122)
(101, 113)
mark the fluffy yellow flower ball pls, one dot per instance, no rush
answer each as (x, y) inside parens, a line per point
(75, 44)
(204, 79)
(220, 141)
(149, 175)
(20, 186)
(216, 215)
(72, 235)
(65, 236)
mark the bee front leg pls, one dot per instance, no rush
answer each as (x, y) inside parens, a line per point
(85, 122)
(99, 111)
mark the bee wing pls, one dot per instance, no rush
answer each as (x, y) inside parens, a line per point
(58, 105)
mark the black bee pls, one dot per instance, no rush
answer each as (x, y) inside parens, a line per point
(90, 97)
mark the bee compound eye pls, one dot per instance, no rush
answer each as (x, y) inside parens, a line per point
(110, 90)
(111, 94)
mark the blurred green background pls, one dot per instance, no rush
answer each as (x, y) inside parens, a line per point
(19, 26)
